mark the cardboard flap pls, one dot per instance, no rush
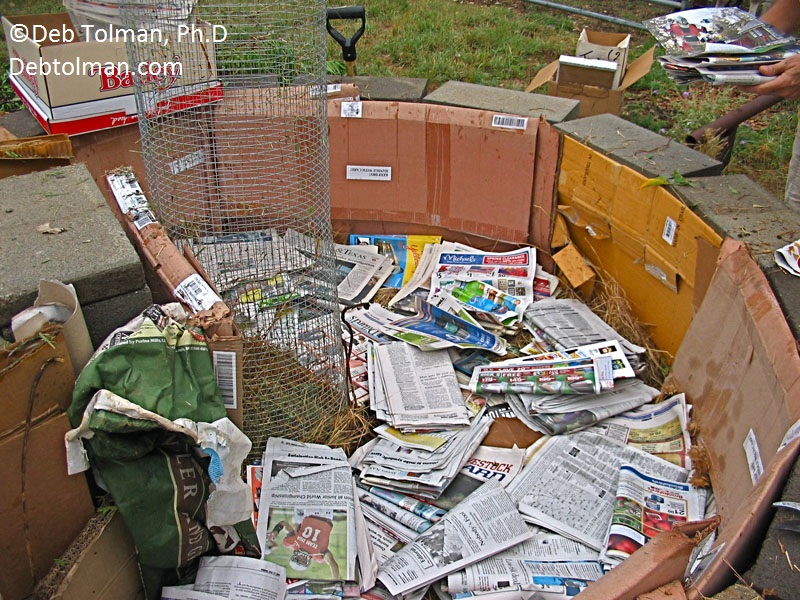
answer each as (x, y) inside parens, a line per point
(662, 560)
(544, 75)
(739, 294)
(581, 89)
(638, 69)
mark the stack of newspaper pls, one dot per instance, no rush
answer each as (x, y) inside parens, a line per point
(310, 522)
(719, 45)
(423, 465)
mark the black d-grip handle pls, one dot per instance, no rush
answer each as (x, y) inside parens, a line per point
(348, 44)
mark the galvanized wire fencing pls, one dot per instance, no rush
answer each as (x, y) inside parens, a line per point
(236, 156)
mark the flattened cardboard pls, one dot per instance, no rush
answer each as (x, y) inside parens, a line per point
(619, 226)
(19, 156)
(545, 181)
(579, 274)
(105, 566)
(36, 377)
(739, 359)
(450, 167)
(661, 561)
(41, 508)
(285, 120)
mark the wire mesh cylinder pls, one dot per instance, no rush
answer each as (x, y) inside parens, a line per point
(236, 158)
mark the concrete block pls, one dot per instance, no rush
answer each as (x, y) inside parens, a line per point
(737, 207)
(21, 123)
(105, 316)
(388, 89)
(86, 246)
(641, 149)
(470, 95)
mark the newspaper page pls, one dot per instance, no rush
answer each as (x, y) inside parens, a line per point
(186, 592)
(355, 267)
(620, 365)
(646, 505)
(421, 278)
(418, 479)
(526, 565)
(485, 523)
(429, 483)
(240, 578)
(498, 464)
(580, 376)
(569, 323)
(357, 346)
(306, 517)
(569, 483)
(421, 388)
(237, 258)
(570, 413)
(384, 542)
(499, 284)
(448, 328)
(659, 429)
(404, 250)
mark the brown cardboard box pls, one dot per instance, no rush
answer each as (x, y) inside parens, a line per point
(73, 87)
(41, 508)
(594, 100)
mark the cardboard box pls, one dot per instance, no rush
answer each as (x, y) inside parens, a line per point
(602, 45)
(41, 508)
(594, 100)
(75, 87)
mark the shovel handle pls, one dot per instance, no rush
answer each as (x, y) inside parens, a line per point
(348, 44)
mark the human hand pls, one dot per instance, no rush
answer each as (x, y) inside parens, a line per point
(787, 79)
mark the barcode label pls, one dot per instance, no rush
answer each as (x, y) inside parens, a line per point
(197, 294)
(670, 229)
(143, 219)
(127, 191)
(753, 455)
(179, 165)
(225, 373)
(509, 122)
(373, 173)
(351, 110)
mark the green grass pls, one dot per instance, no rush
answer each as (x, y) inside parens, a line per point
(505, 44)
